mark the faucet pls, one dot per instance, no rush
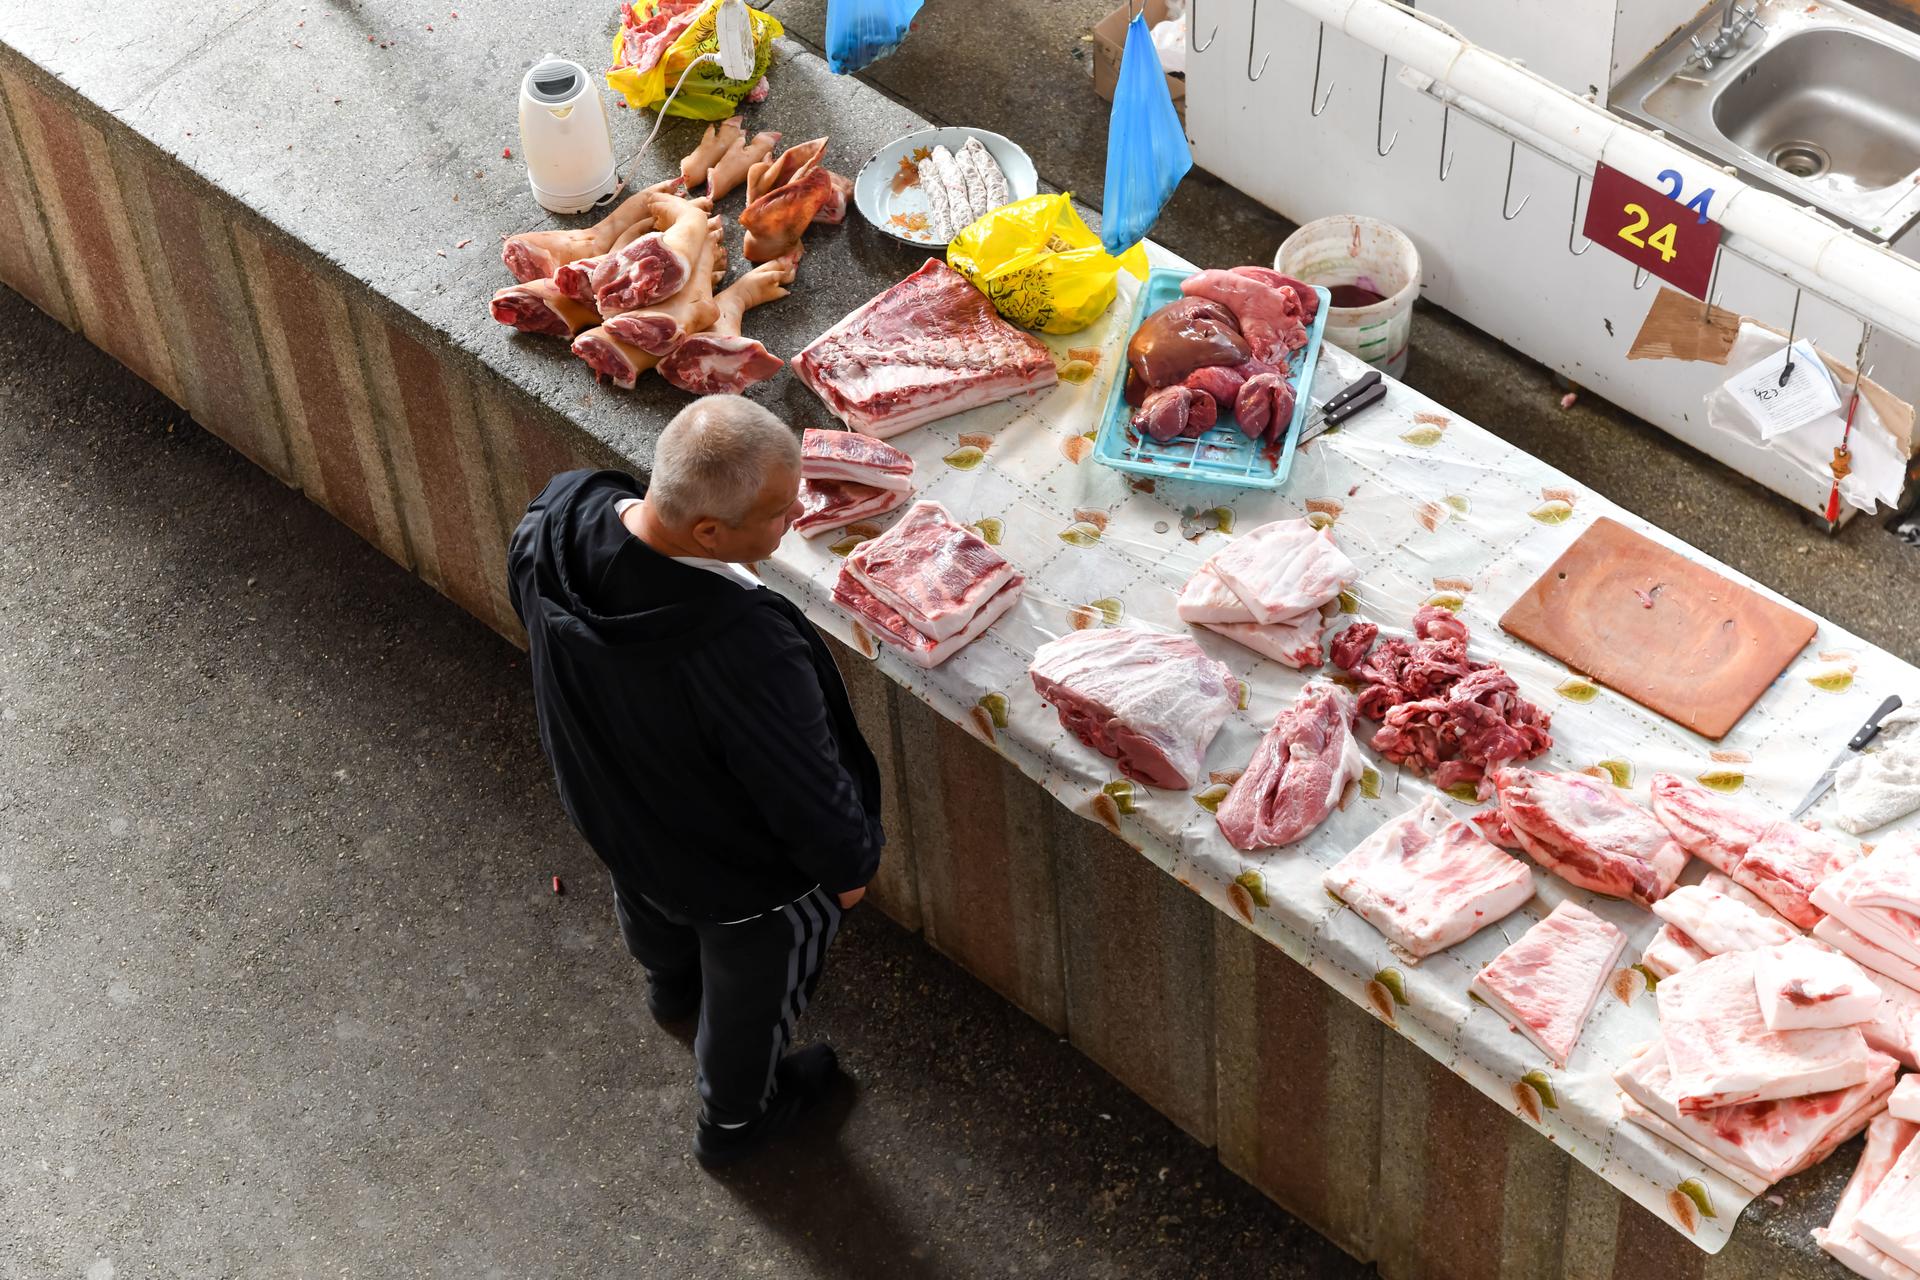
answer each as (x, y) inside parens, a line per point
(1734, 24)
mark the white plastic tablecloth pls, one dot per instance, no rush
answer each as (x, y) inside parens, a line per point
(1430, 508)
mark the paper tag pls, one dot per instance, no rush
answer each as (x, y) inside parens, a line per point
(1809, 393)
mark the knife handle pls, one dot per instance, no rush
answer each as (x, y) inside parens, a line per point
(1871, 729)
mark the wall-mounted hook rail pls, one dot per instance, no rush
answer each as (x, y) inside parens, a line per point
(1253, 26)
(1573, 221)
(1512, 148)
(1380, 118)
(1193, 25)
(1316, 104)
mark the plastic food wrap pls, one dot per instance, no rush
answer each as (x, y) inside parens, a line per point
(1040, 265)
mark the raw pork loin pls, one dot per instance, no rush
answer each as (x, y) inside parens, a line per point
(929, 347)
(1589, 834)
(1428, 880)
(1545, 984)
(1722, 1054)
(1298, 772)
(1151, 702)
(1440, 711)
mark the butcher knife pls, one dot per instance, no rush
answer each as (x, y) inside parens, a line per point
(1855, 745)
(1343, 404)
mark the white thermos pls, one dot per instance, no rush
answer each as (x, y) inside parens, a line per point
(565, 137)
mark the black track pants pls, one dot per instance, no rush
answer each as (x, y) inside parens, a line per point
(756, 977)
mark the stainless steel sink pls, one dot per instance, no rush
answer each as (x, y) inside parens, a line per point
(1819, 102)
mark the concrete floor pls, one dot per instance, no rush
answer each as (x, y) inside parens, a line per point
(285, 991)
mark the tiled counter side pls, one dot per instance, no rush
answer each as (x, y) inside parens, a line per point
(420, 445)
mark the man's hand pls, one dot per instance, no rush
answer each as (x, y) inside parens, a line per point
(852, 896)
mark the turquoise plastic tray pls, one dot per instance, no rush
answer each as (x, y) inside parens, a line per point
(1222, 454)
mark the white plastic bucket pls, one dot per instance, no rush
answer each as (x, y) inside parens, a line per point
(1348, 248)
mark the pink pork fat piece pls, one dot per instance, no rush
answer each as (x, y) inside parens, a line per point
(929, 347)
(1894, 1028)
(1773, 1139)
(1588, 833)
(1802, 984)
(850, 456)
(1670, 952)
(1150, 702)
(1717, 923)
(1890, 1219)
(1878, 897)
(1546, 983)
(1298, 772)
(893, 629)
(1721, 1053)
(1282, 569)
(1777, 859)
(1904, 1102)
(1870, 955)
(1294, 643)
(1675, 1136)
(1428, 880)
(931, 568)
(1710, 827)
(1887, 1139)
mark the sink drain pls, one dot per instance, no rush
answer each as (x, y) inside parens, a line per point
(1800, 159)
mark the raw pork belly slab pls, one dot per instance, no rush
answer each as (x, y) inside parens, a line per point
(1294, 643)
(887, 623)
(1779, 860)
(1671, 951)
(1877, 898)
(1803, 984)
(1887, 1139)
(1770, 1139)
(1871, 955)
(834, 504)
(1545, 984)
(1711, 828)
(848, 455)
(1676, 1136)
(1207, 599)
(1428, 880)
(1298, 772)
(929, 347)
(1717, 923)
(1151, 702)
(1722, 1054)
(1589, 834)
(933, 569)
(1282, 569)
(1890, 1219)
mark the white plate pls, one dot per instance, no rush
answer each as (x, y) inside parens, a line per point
(891, 210)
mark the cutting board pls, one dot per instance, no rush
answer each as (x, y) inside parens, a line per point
(1675, 637)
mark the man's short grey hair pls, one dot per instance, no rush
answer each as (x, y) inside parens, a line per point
(713, 458)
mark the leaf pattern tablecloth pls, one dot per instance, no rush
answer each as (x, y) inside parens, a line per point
(1431, 508)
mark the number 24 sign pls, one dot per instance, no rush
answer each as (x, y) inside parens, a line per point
(1653, 229)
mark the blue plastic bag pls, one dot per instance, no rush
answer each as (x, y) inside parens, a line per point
(860, 31)
(1147, 152)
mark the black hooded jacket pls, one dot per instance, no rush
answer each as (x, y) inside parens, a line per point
(699, 731)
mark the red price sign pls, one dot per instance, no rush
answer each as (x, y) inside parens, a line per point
(1653, 229)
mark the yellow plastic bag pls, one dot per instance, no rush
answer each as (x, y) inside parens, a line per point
(1040, 266)
(708, 94)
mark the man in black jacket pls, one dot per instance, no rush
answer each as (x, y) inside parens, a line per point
(702, 742)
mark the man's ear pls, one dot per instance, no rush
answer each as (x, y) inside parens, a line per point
(705, 531)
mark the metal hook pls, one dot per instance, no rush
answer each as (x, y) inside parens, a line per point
(1506, 195)
(1573, 222)
(1253, 25)
(1380, 117)
(1706, 303)
(1193, 25)
(1640, 277)
(1315, 103)
(1446, 161)
(1793, 326)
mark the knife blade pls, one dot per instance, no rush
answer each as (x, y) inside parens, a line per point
(1855, 745)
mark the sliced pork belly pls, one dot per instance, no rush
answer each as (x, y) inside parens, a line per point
(1428, 880)
(1150, 702)
(1890, 1219)
(1712, 828)
(1298, 772)
(1870, 955)
(1722, 1054)
(1717, 923)
(1877, 897)
(827, 505)
(934, 570)
(1282, 569)
(1772, 1139)
(1675, 1136)
(1546, 983)
(1589, 834)
(1802, 984)
(893, 629)
(1786, 864)
(1670, 952)
(850, 456)
(1887, 1139)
